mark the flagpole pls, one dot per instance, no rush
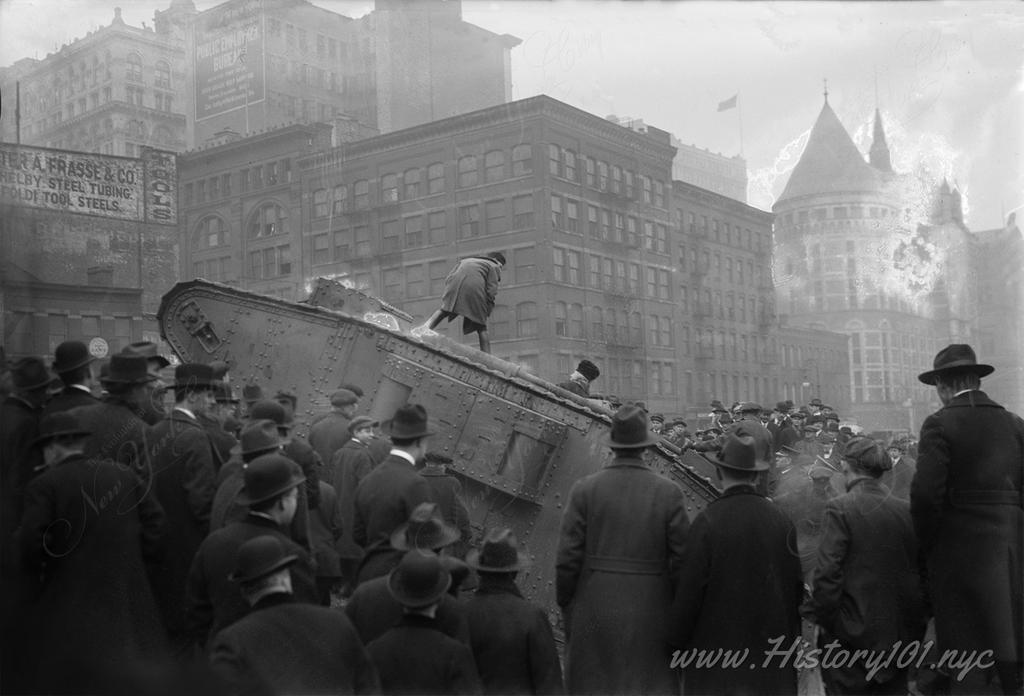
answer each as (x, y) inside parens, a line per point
(739, 115)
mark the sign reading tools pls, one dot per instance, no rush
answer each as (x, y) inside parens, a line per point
(122, 188)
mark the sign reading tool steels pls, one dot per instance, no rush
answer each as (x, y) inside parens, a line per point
(123, 188)
(229, 70)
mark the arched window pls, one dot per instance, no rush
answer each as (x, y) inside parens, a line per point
(320, 203)
(494, 166)
(133, 69)
(162, 74)
(340, 199)
(268, 220)
(211, 232)
(467, 171)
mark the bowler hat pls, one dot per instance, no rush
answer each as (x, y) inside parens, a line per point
(259, 557)
(956, 356)
(343, 397)
(739, 452)
(360, 422)
(588, 370)
(268, 476)
(193, 376)
(631, 429)
(425, 529)
(128, 368)
(409, 423)
(29, 374)
(782, 407)
(252, 393)
(258, 437)
(269, 410)
(499, 553)
(71, 355)
(60, 424)
(419, 580)
(146, 349)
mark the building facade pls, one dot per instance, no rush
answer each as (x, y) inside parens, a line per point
(710, 170)
(859, 251)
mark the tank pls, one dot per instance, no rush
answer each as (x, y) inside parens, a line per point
(518, 442)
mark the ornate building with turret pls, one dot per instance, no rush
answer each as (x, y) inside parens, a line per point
(881, 257)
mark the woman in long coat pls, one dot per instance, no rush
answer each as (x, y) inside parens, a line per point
(621, 539)
(469, 291)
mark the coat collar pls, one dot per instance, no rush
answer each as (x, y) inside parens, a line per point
(498, 584)
(628, 462)
(742, 489)
(971, 399)
(867, 486)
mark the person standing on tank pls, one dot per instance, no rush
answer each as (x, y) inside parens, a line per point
(469, 291)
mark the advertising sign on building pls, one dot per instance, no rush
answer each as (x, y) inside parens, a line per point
(122, 188)
(229, 58)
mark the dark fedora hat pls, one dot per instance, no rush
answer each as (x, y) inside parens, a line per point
(269, 410)
(29, 374)
(425, 529)
(194, 376)
(739, 452)
(499, 553)
(588, 370)
(60, 424)
(126, 368)
(146, 349)
(71, 355)
(409, 423)
(420, 579)
(259, 557)
(268, 476)
(956, 356)
(631, 429)
(258, 437)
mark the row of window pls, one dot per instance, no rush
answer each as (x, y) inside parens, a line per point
(735, 307)
(600, 175)
(327, 48)
(838, 212)
(720, 268)
(722, 231)
(609, 274)
(32, 334)
(249, 178)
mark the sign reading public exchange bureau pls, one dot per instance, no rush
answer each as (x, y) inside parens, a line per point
(124, 188)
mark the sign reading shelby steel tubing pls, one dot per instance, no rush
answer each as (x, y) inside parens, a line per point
(229, 71)
(122, 188)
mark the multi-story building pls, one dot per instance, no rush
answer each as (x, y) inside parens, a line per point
(110, 92)
(857, 251)
(584, 210)
(710, 170)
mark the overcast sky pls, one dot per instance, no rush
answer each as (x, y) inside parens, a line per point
(948, 75)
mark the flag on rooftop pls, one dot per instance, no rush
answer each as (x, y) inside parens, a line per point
(729, 103)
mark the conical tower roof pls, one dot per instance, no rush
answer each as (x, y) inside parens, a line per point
(831, 163)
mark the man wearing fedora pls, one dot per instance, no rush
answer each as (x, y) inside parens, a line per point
(283, 646)
(214, 422)
(740, 584)
(621, 539)
(73, 364)
(580, 379)
(386, 497)
(415, 656)
(87, 534)
(153, 410)
(968, 511)
(271, 494)
(373, 610)
(331, 432)
(512, 641)
(183, 476)
(469, 291)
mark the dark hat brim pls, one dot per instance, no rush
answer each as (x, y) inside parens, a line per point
(413, 602)
(473, 561)
(60, 369)
(243, 497)
(980, 369)
(449, 535)
(43, 439)
(717, 461)
(652, 438)
(196, 384)
(409, 436)
(143, 379)
(264, 572)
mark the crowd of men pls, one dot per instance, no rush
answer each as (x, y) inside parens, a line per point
(169, 537)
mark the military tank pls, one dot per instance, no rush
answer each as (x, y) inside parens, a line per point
(517, 441)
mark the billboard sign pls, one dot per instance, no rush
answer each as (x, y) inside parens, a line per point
(84, 183)
(229, 58)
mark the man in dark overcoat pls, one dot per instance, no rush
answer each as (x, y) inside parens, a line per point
(740, 586)
(183, 476)
(73, 364)
(87, 533)
(386, 497)
(866, 592)
(899, 478)
(512, 641)
(329, 433)
(447, 492)
(295, 448)
(214, 423)
(968, 511)
(270, 492)
(425, 529)
(621, 541)
(284, 646)
(470, 291)
(349, 465)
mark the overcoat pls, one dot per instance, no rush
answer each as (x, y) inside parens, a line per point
(212, 601)
(470, 290)
(512, 641)
(182, 481)
(67, 399)
(222, 440)
(87, 533)
(327, 435)
(899, 478)
(620, 544)
(226, 509)
(866, 588)
(285, 647)
(374, 611)
(20, 459)
(575, 387)
(415, 657)
(385, 499)
(299, 451)
(965, 501)
(447, 492)
(740, 588)
(118, 433)
(350, 464)
(324, 530)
